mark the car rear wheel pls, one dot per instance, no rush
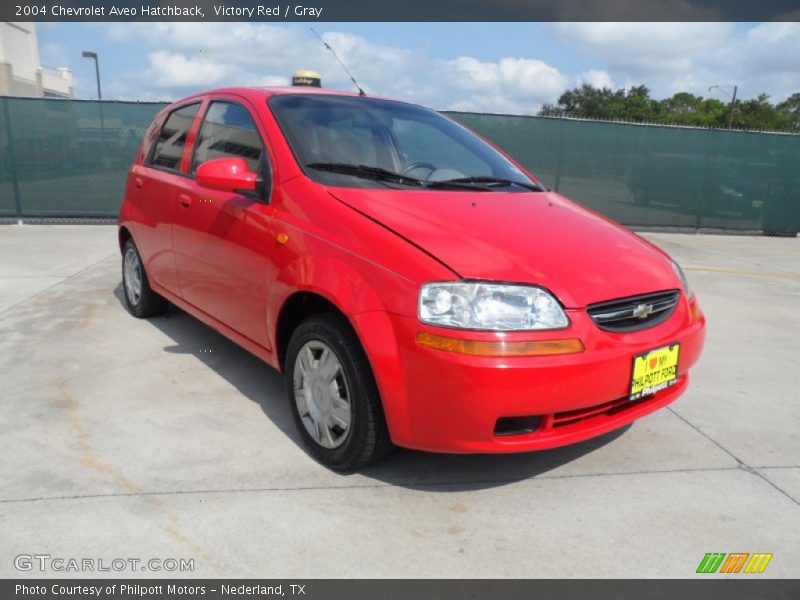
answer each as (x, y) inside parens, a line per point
(140, 300)
(333, 395)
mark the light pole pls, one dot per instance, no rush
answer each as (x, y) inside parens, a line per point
(733, 100)
(93, 56)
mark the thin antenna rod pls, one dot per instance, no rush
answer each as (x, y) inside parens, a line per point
(349, 74)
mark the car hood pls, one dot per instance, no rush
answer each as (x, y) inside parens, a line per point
(538, 238)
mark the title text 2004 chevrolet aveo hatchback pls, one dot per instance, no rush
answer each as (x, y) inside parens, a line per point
(416, 286)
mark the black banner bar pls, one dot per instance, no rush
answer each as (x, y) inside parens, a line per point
(747, 587)
(397, 11)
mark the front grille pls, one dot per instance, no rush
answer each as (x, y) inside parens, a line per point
(561, 423)
(635, 312)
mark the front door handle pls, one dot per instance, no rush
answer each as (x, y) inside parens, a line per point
(185, 200)
(138, 182)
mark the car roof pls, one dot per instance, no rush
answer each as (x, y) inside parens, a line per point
(259, 94)
(266, 92)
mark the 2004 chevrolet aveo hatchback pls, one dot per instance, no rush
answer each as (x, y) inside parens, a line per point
(416, 286)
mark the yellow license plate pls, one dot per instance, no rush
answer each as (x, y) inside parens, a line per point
(654, 370)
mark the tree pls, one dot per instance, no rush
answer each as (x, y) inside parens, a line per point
(790, 109)
(638, 106)
(687, 109)
(589, 102)
(586, 102)
(758, 113)
(683, 108)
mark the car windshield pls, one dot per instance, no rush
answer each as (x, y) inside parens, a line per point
(366, 142)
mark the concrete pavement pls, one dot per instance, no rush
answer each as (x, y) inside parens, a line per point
(161, 439)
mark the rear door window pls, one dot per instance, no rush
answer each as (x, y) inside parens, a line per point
(172, 139)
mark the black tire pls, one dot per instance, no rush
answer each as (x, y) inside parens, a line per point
(367, 439)
(146, 303)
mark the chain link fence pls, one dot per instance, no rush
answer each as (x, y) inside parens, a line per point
(659, 176)
(69, 158)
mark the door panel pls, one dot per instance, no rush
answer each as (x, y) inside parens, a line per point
(153, 234)
(154, 184)
(221, 239)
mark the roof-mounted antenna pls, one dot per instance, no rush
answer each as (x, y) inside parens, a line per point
(349, 74)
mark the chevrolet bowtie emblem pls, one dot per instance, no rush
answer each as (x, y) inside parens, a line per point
(642, 311)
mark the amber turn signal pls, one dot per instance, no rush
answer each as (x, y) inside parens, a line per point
(500, 348)
(695, 311)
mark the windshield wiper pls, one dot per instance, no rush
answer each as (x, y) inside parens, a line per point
(366, 172)
(379, 174)
(487, 181)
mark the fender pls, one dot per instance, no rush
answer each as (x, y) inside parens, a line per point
(352, 292)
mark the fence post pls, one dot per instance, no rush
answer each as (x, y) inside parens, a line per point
(12, 163)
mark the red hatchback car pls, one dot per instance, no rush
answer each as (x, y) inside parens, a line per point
(415, 285)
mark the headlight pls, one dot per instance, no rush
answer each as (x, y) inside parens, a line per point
(488, 306)
(677, 268)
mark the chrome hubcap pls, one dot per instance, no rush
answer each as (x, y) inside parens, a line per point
(132, 276)
(322, 394)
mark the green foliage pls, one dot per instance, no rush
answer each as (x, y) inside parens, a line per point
(635, 104)
(790, 111)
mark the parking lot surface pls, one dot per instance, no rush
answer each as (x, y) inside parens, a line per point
(125, 438)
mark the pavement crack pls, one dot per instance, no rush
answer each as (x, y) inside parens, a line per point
(708, 437)
(418, 485)
(766, 467)
(742, 465)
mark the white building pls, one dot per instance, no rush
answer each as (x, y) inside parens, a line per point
(21, 72)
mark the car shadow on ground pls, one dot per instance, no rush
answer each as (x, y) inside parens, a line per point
(263, 385)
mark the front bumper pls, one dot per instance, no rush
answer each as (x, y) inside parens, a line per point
(447, 402)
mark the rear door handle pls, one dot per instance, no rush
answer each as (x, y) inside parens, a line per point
(185, 200)
(138, 182)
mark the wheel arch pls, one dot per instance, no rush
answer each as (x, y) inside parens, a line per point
(298, 307)
(312, 286)
(123, 235)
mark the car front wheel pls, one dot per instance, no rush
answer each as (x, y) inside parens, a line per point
(334, 399)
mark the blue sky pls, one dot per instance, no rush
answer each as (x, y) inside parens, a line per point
(499, 67)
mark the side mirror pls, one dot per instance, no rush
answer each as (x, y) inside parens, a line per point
(227, 175)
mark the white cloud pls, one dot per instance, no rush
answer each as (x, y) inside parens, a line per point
(202, 55)
(672, 57)
(768, 58)
(513, 85)
(272, 81)
(651, 53)
(667, 57)
(595, 77)
(170, 70)
(189, 56)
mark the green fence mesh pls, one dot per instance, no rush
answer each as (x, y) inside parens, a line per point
(659, 176)
(70, 158)
(67, 157)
